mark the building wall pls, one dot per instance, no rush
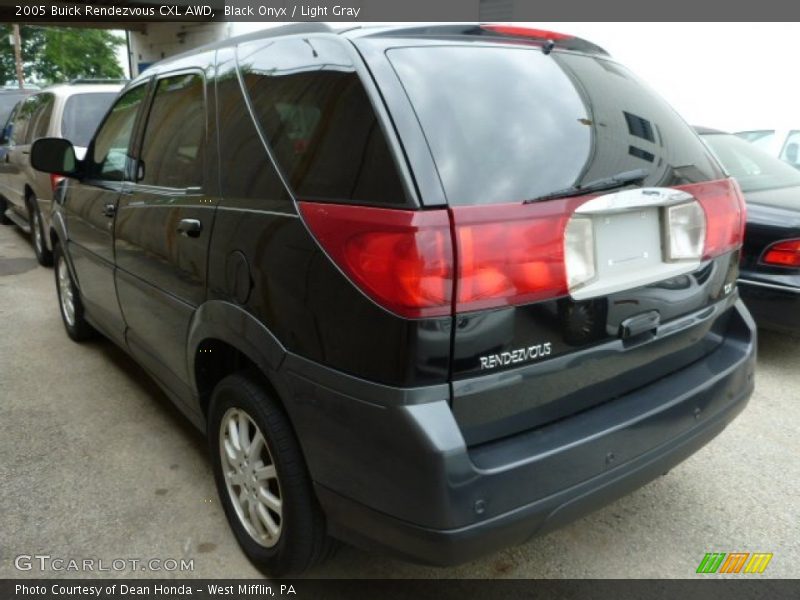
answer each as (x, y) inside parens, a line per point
(161, 40)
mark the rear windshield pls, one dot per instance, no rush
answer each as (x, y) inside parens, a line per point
(512, 124)
(753, 168)
(7, 103)
(82, 114)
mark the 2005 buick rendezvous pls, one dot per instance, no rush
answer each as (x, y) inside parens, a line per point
(431, 290)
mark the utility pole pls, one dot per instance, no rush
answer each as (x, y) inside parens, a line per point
(18, 56)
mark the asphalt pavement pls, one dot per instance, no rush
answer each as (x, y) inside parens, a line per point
(96, 464)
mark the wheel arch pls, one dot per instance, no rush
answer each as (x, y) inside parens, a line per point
(57, 234)
(224, 338)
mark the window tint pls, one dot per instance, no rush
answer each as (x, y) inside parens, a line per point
(82, 113)
(512, 124)
(173, 146)
(110, 152)
(247, 172)
(319, 122)
(754, 169)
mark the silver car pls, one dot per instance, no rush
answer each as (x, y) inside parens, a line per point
(71, 111)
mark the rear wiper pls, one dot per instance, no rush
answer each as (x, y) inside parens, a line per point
(606, 183)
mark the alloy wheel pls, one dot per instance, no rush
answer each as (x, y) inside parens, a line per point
(251, 477)
(65, 292)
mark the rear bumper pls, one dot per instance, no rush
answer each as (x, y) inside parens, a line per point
(773, 306)
(400, 478)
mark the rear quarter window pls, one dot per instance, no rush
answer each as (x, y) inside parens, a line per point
(508, 124)
(319, 122)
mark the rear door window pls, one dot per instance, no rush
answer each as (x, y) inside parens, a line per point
(21, 130)
(319, 121)
(40, 117)
(173, 149)
(508, 124)
(82, 114)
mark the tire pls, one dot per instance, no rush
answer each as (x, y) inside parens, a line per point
(296, 539)
(69, 300)
(43, 255)
(4, 220)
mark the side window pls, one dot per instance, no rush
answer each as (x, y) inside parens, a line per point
(40, 118)
(174, 138)
(319, 121)
(110, 149)
(248, 176)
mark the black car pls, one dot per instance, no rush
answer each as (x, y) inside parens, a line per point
(769, 279)
(427, 290)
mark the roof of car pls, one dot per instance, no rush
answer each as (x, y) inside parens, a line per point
(707, 130)
(495, 33)
(69, 89)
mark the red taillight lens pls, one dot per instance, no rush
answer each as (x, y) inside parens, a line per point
(511, 253)
(55, 180)
(402, 259)
(726, 214)
(783, 254)
(540, 34)
(504, 254)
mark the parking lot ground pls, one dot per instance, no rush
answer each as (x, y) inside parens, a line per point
(96, 463)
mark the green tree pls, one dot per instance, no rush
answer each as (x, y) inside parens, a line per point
(32, 44)
(57, 54)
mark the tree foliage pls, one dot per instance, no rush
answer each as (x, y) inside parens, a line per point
(57, 54)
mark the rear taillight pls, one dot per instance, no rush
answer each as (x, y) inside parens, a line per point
(402, 259)
(511, 253)
(506, 254)
(783, 254)
(726, 213)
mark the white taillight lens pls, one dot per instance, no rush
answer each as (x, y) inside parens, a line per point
(685, 232)
(579, 253)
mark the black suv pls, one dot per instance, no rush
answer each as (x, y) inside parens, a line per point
(430, 290)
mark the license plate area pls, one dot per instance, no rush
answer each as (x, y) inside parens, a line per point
(629, 252)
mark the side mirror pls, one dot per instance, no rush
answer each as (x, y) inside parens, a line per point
(56, 156)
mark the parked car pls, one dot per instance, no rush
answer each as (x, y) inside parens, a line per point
(71, 111)
(769, 279)
(783, 143)
(430, 290)
(9, 99)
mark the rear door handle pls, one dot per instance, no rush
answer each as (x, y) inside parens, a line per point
(190, 227)
(109, 210)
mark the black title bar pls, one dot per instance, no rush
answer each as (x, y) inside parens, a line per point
(142, 11)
